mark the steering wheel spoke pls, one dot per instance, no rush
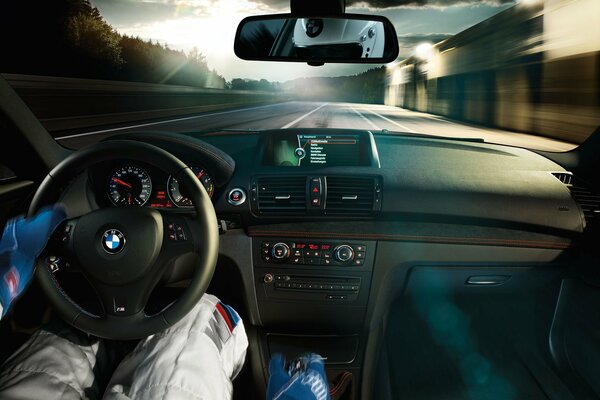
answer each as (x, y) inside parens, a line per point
(179, 236)
(61, 240)
(124, 301)
(59, 252)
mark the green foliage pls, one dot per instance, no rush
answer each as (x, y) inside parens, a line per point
(71, 38)
(94, 38)
(249, 84)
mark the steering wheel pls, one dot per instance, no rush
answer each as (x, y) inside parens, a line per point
(123, 251)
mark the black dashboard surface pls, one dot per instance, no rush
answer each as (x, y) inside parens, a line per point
(423, 179)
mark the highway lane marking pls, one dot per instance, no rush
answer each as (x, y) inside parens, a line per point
(162, 122)
(406, 128)
(302, 117)
(368, 121)
(437, 118)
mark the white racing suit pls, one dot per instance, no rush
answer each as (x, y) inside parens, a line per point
(197, 358)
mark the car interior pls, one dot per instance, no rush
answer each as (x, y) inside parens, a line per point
(419, 267)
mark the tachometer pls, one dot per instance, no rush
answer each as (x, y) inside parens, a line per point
(179, 195)
(129, 185)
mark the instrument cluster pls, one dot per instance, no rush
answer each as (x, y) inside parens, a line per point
(136, 185)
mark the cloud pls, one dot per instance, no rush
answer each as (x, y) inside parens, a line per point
(129, 12)
(423, 3)
(284, 5)
(120, 13)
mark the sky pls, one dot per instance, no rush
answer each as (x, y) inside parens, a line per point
(210, 26)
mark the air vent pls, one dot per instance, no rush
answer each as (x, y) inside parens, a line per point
(284, 195)
(352, 195)
(564, 177)
(588, 201)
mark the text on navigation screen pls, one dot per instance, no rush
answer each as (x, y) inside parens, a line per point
(328, 150)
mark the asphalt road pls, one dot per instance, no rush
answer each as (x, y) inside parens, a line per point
(324, 115)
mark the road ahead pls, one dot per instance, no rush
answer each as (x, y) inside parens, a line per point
(324, 115)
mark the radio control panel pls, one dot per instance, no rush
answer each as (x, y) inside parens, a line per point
(312, 282)
(313, 253)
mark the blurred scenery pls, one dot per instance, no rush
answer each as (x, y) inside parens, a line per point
(531, 67)
(534, 67)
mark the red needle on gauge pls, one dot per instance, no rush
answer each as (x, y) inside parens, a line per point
(120, 182)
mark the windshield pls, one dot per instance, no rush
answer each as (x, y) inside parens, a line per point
(516, 73)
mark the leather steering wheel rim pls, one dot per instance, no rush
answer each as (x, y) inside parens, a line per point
(203, 225)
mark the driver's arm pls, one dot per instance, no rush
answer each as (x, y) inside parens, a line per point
(22, 241)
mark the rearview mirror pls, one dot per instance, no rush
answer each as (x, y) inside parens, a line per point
(349, 38)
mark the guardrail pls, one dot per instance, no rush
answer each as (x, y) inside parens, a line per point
(73, 104)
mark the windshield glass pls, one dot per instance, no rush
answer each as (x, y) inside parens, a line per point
(517, 73)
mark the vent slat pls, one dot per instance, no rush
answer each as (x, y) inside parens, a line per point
(339, 187)
(293, 187)
(588, 201)
(564, 177)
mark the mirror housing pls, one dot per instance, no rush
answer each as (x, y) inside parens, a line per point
(345, 38)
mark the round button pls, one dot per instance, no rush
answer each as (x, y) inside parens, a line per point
(300, 153)
(268, 278)
(344, 253)
(236, 197)
(280, 251)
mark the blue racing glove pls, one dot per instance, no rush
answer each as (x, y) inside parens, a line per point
(22, 242)
(303, 379)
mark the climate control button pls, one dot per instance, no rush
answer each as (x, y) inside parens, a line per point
(280, 251)
(343, 253)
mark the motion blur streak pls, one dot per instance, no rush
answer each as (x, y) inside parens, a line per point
(534, 67)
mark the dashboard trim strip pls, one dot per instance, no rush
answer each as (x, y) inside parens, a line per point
(416, 238)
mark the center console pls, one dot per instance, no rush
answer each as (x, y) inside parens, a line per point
(312, 297)
(317, 285)
(312, 289)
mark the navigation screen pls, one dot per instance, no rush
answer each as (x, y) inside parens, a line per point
(328, 150)
(318, 150)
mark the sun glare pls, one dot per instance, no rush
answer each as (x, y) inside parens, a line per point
(210, 28)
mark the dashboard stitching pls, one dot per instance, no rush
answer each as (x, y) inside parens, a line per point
(438, 239)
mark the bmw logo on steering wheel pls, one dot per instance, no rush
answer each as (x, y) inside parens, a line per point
(113, 241)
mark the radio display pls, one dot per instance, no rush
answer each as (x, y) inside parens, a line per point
(319, 150)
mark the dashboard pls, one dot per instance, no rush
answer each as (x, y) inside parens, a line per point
(304, 175)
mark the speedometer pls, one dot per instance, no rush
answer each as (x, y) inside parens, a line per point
(179, 195)
(129, 185)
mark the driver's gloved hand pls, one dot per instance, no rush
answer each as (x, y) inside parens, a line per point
(302, 379)
(22, 242)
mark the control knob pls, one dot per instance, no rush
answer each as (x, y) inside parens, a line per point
(280, 251)
(343, 253)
